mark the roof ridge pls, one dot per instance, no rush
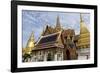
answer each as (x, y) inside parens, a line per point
(50, 34)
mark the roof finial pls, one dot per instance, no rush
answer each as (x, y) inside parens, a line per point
(83, 27)
(58, 26)
(32, 36)
(81, 20)
(58, 22)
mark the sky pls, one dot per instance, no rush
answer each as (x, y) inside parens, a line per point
(35, 21)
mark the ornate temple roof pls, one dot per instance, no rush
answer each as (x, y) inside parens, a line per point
(48, 30)
(48, 41)
(51, 30)
(50, 38)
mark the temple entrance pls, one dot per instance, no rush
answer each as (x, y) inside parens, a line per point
(68, 55)
(49, 57)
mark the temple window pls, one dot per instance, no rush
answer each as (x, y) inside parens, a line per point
(49, 57)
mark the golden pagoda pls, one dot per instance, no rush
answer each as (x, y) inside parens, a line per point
(30, 44)
(84, 37)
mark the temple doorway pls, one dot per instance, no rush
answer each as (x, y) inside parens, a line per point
(68, 55)
(49, 57)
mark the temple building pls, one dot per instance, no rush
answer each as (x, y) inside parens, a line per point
(55, 44)
(58, 44)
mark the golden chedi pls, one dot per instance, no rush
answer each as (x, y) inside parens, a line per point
(84, 38)
(83, 43)
(30, 44)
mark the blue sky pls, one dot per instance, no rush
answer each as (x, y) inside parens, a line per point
(36, 20)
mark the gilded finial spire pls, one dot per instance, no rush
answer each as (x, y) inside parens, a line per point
(81, 20)
(83, 27)
(58, 26)
(32, 36)
(58, 22)
(30, 43)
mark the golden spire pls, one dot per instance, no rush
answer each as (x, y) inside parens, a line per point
(81, 20)
(83, 27)
(58, 22)
(84, 38)
(58, 26)
(30, 43)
